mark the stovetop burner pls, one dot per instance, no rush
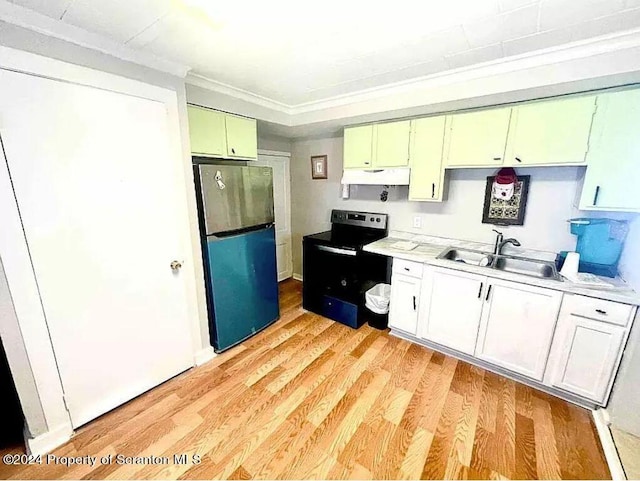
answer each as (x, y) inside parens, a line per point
(352, 230)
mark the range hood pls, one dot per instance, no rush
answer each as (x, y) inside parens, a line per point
(376, 177)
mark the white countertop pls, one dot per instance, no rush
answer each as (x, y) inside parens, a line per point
(429, 247)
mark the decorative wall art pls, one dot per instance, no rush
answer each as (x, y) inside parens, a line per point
(319, 167)
(505, 198)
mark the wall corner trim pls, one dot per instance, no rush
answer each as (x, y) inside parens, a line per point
(601, 421)
(203, 356)
(47, 442)
(297, 277)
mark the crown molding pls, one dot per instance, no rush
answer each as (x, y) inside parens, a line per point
(31, 20)
(223, 88)
(538, 58)
(587, 64)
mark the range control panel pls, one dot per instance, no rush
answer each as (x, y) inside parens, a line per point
(361, 219)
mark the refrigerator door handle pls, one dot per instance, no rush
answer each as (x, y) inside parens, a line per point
(336, 250)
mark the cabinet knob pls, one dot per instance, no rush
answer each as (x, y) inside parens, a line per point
(176, 265)
(233, 151)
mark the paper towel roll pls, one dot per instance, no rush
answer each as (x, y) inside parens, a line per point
(570, 266)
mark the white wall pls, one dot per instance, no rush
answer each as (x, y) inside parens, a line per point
(49, 392)
(279, 144)
(30, 41)
(19, 361)
(624, 405)
(551, 198)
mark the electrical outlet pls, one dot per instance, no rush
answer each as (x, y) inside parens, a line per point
(417, 222)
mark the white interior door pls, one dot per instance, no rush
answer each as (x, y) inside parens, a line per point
(94, 177)
(282, 208)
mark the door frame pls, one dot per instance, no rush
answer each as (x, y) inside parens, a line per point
(287, 155)
(14, 250)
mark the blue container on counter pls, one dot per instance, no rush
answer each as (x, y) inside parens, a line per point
(600, 243)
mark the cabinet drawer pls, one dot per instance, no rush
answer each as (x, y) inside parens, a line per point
(408, 268)
(598, 309)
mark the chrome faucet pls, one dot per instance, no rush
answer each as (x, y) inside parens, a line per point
(501, 242)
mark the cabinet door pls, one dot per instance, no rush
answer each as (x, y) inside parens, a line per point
(555, 132)
(477, 138)
(206, 132)
(425, 160)
(588, 352)
(403, 307)
(613, 172)
(517, 327)
(242, 137)
(392, 144)
(452, 306)
(358, 147)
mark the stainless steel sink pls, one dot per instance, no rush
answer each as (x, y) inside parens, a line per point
(527, 267)
(512, 264)
(466, 256)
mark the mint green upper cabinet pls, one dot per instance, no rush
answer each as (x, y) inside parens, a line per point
(391, 145)
(242, 137)
(427, 172)
(477, 139)
(358, 147)
(613, 172)
(206, 132)
(551, 132)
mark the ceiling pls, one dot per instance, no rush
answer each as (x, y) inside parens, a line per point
(295, 53)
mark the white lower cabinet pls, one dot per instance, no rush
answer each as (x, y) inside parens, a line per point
(567, 342)
(517, 327)
(451, 307)
(587, 354)
(405, 298)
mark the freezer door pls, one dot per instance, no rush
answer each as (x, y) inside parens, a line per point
(243, 285)
(236, 197)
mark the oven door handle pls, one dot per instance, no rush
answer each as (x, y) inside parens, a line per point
(336, 250)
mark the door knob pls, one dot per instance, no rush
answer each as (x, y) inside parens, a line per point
(175, 265)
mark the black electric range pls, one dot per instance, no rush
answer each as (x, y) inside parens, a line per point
(337, 272)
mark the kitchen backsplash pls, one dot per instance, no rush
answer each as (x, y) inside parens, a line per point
(551, 203)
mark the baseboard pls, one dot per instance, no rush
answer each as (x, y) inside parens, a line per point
(601, 420)
(203, 356)
(297, 277)
(47, 442)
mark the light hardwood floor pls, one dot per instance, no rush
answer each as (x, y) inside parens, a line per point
(310, 398)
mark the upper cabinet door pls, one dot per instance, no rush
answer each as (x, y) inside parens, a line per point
(425, 159)
(613, 172)
(242, 137)
(450, 308)
(358, 147)
(477, 138)
(554, 132)
(517, 327)
(392, 144)
(206, 132)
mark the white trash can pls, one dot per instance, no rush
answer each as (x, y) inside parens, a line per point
(377, 298)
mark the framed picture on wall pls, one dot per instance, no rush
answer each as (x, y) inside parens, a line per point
(508, 209)
(319, 167)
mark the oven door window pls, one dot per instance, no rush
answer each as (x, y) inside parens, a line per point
(334, 272)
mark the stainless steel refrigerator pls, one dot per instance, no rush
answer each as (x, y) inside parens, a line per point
(235, 204)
